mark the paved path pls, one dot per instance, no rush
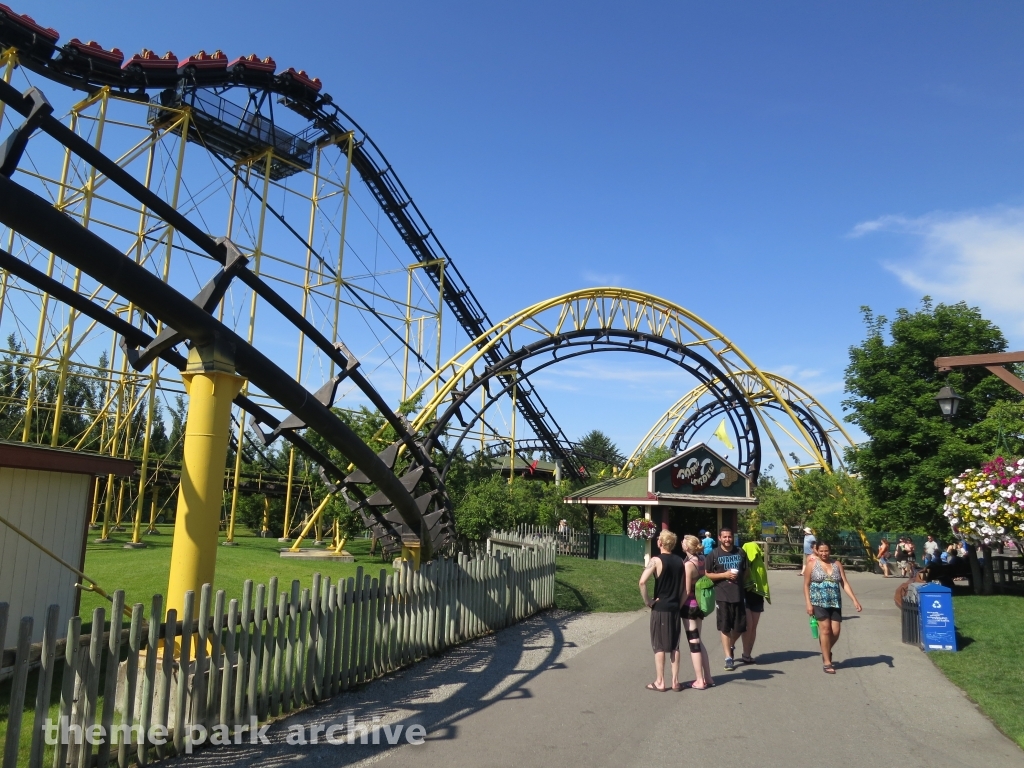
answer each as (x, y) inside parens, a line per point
(568, 690)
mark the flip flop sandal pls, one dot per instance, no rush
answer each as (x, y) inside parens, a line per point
(653, 687)
(701, 687)
(829, 669)
(677, 688)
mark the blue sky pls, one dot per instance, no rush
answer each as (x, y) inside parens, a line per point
(771, 167)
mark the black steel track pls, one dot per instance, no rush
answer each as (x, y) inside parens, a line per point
(593, 340)
(69, 66)
(711, 410)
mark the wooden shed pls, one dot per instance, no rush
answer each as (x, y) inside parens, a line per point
(47, 494)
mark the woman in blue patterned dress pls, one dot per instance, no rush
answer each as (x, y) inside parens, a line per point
(823, 581)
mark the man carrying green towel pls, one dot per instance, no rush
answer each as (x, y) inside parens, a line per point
(754, 596)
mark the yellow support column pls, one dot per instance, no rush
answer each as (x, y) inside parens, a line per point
(212, 386)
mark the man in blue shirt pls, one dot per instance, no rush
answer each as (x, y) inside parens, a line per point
(707, 542)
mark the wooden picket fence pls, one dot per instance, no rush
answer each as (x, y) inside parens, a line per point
(569, 542)
(269, 655)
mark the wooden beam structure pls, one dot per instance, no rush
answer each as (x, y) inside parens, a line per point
(994, 363)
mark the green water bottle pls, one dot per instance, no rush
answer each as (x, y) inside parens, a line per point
(814, 627)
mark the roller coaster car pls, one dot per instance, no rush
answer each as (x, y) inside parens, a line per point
(252, 70)
(298, 85)
(152, 70)
(205, 68)
(91, 57)
(21, 32)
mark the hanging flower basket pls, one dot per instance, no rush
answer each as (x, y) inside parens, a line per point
(986, 506)
(641, 529)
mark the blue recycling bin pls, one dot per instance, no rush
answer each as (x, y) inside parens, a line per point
(935, 603)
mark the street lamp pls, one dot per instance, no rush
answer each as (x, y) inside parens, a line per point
(949, 402)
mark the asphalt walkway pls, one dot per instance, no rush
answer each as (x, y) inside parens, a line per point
(568, 690)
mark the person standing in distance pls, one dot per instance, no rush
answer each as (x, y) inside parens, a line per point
(727, 566)
(665, 618)
(883, 556)
(822, 585)
(809, 540)
(931, 550)
(708, 543)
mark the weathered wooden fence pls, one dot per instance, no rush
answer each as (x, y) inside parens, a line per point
(569, 542)
(234, 663)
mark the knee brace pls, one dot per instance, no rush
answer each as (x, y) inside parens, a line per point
(693, 640)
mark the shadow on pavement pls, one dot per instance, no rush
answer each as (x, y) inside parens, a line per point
(864, 661)
(782, 656)
(474, 675)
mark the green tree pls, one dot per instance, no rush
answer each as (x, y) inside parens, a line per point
(606, 454)
(775, 504)
(831, 502)
(892, 382)
(652, 457)
(1001, 432)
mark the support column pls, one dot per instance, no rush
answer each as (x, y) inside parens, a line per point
(212, 386)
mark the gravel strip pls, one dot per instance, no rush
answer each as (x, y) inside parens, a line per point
(435, 693)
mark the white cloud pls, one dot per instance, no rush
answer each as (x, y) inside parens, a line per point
(813, 380)
(972, 256)
(603, 278)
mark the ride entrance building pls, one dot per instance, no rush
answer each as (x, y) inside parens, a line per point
(694, 490)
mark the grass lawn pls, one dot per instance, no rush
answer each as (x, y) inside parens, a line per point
(597, 585)
(142, 573)
(988, 666)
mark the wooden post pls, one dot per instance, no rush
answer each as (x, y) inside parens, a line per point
(185, 653)
(226, 687)
(198, 714)
(47, 660)
(217, 662)
(18, 683)
(131, 679)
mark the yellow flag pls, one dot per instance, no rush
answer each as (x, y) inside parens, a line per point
(722, 435)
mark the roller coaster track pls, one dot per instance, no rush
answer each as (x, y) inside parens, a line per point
(428, 514)
(88, 68)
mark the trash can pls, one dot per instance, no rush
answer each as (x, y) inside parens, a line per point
(935, 603)
(911, 617)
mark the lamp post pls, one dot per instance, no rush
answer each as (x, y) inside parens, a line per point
(949, 402)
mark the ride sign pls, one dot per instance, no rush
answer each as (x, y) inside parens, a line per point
(698, 471)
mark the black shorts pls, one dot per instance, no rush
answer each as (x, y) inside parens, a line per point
(754, 602)
(691, 612)
(732, 617)
(665, 631)
(834, 614)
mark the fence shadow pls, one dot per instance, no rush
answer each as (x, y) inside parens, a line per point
(435, 693)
